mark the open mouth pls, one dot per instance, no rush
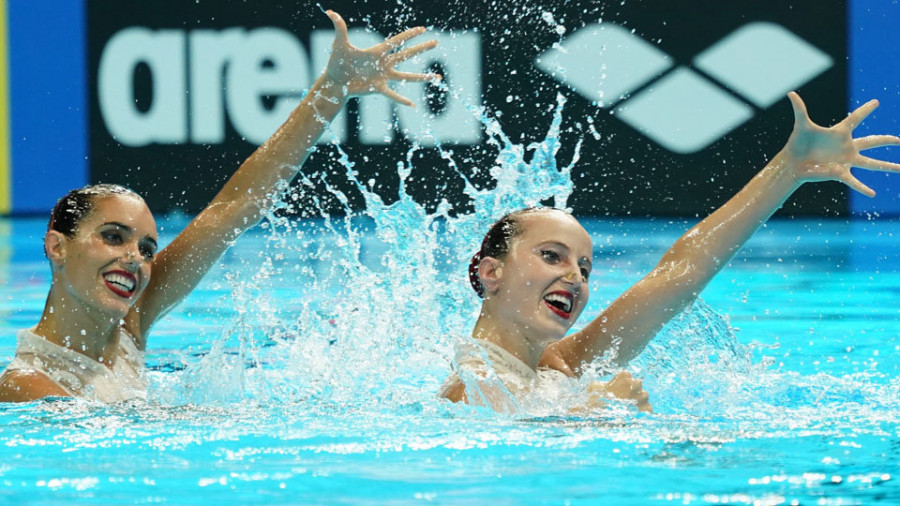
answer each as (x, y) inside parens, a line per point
(120, 283)
(560, 303)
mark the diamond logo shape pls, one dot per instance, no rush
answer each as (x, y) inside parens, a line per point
(684, 112)
(762, 62)
(603, 62)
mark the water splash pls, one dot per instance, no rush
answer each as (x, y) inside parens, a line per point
(365, 307)
(360, 312)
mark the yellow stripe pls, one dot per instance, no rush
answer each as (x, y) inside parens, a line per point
(5, 158)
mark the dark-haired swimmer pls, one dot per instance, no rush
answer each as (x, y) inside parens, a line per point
(533, 268)
(109, 284)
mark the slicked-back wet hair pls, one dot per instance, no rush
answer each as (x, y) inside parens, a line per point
(498, 239)
(77, 205)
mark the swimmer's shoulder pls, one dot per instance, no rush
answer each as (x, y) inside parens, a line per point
(28, 385)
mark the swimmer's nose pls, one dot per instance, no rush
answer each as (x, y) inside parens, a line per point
(132, 257)
(574, 277)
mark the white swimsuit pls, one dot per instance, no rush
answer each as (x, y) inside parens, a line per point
(82, 376)
(484, 361)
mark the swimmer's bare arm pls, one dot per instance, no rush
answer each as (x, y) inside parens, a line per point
(350, 72)
(812, 153)
(26, 386)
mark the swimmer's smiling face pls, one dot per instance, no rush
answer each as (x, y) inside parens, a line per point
(541, 285)
(106, 265)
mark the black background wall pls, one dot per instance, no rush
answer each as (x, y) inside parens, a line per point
(621, 171)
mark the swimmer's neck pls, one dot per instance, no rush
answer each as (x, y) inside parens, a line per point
(512, 340)
(78, 327)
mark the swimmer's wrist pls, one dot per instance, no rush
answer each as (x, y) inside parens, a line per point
(783, 163)
(329, 90)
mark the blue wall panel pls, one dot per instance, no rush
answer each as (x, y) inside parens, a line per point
(874, 51)
(48, 96)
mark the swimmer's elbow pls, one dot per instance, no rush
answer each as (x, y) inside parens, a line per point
(682, 279)
(693, 260)
(229, 219)
(245, 213)
(657, 299)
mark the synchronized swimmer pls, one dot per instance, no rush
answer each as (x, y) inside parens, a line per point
(109, 285)
(533, 267)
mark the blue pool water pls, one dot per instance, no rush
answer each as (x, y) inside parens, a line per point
(798, 401)
(304, 370)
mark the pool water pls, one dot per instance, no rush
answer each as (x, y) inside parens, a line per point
(305, 366)
(780, 386)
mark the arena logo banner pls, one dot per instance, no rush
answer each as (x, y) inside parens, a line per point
(677, 105)
(189, 105)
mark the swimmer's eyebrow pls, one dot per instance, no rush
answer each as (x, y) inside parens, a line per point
(128, 229)
(116, 224)
(558, 244)
(582, 260)
(554, 243)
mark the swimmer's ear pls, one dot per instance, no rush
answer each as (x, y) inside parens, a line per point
(490, 270)
(55, 247)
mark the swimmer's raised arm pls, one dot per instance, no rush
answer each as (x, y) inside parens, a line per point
(812, 153)
(238, 206)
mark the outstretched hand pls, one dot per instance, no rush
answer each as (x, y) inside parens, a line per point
(366, 71)
(827, 154)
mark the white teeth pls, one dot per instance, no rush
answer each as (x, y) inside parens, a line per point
(126, 283)
(565, 302)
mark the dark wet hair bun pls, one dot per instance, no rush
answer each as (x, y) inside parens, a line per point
(76, 205)
(473, 274)
(496, 243)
